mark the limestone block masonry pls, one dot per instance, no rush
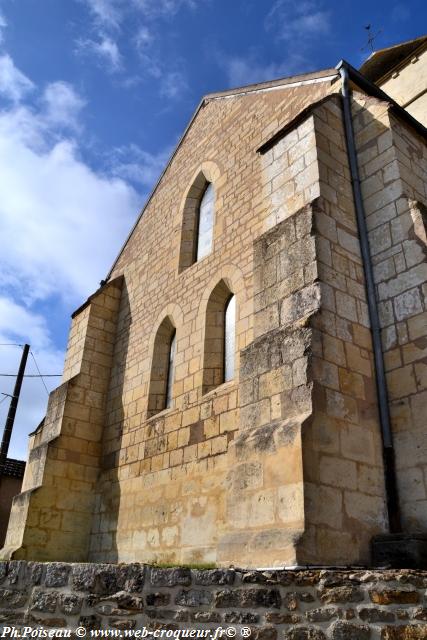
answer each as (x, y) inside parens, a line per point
(273, 605)
(281, 465)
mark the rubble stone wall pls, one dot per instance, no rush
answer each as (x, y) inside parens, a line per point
(285, 604)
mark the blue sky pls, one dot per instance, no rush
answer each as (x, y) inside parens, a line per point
(94, 95)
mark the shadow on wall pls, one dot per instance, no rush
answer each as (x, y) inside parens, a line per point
(105, 522)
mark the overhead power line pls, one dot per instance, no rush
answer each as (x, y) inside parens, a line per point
(32, 375)
(10, 344)
(38, 370)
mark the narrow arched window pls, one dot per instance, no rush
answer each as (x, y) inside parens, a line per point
(205, 223)
(229, 338)
(171, 367)
(198, 218)
(220, 341)
(160, 393)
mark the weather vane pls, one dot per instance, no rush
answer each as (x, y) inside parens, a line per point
(371, 38)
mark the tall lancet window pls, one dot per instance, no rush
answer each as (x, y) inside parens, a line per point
(171, 368)
(205, 223)
(162, 368)
(220, 341)
(229, 338)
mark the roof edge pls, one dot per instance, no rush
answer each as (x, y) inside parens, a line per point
(373, 90)
(321, 74)
(252, 88)
(403, 63)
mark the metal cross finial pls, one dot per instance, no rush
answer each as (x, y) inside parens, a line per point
(371, 38)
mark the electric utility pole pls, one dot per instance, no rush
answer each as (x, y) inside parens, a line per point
(7, 433)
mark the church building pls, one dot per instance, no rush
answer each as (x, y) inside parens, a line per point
(248, 386)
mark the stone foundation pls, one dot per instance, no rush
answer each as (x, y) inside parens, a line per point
(274, 604)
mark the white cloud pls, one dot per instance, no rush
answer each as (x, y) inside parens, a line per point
(163, 8)
(62, 105)
(139, 166)
(105, 49)
(61, 225)
(298, 21)
(106, 12)
(52, 208)
(109, 14)
(13, 83)
(247, 70)
(143, 43)
(172, 81)
(173, 84)
(17, 322)
(3, 25)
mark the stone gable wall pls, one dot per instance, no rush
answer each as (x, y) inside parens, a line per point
(353, 604)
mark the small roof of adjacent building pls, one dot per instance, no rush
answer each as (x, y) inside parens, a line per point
(383, 61)
(13, 468)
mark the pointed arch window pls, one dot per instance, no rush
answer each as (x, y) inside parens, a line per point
(198, 222)
(205, 223)
(220, 340)
(171, 371)
(160, 394)
(229, 338)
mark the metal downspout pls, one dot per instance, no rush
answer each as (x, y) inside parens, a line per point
(392, 498)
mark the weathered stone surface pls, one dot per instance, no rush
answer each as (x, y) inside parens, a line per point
(128, 601)
(13, 570)
(341, 594)
(34, 572)
(57, 574)
(248, 598)
(343, 630)
(405, 632)
(239, 617)
(83, 577)
(205, 616)
(90, 622)
(12, 598)
(193, 598)
(265, 633)
(420, 613)
(70, 603)
(208, 577)
(47, 622)
(157, 599)
(44, 601)
(170, 577)
(282, 618)
(394, 596)
(3, 571)
(12, 616)
(267, 577)
(305, 633)
(167, 614)
(322, 615)
(290, 601)
(135, 578)
(373, 614)
(109, 579)
(117, 623)
(299, 600)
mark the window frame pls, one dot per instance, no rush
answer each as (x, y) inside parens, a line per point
(161, 368)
